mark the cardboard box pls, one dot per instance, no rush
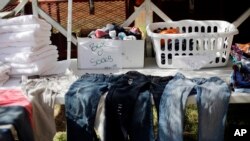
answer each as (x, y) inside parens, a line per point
(110, 54)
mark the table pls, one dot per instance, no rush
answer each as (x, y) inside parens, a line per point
(151, 68)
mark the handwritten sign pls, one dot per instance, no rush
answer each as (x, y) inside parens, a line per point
(99, 53)
(195, 62)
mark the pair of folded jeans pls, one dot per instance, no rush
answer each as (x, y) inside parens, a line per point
(81, 102)
(212, 97)
(128, 109)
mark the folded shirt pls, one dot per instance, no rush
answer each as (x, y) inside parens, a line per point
(22, 28)
(35, 68)
(59, 68)
(29, 56)
(18, 73)
(42, 62)
(24, 45)
(23, 19)
(25, 36)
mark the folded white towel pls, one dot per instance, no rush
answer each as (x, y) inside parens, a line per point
(23, 19)
(42, 62)
(33, 69)
(21, 28)
(29, 59)
(29, 56)
(25, 45)
(26, 50)
(25, 36)
(59, 68)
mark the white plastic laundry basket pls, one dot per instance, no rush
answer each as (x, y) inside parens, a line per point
(197, 44)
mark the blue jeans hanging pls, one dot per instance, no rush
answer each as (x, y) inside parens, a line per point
(128, 109)
(81, 103)
(212, 97)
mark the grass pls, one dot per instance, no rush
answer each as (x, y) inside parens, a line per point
(238, 116)
(60, 136)
(60, 120)
(190, 121)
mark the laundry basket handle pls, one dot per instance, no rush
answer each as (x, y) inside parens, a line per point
(242, 18)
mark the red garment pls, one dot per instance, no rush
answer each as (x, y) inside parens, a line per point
(15, 97)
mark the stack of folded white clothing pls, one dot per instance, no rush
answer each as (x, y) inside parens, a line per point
(25, 44)
(4, 73)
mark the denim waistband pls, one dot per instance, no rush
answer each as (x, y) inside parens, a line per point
(159, 79)
(135, 76)
(199, 81)
(100, 77)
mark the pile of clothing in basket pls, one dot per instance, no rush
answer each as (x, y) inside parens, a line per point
(116, 32)
(25, 45)
(240, 77)
(173, 43)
